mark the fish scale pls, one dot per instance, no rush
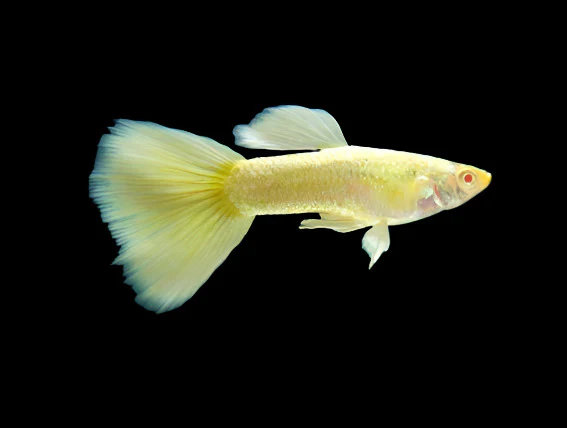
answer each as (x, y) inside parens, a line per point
(351, 181)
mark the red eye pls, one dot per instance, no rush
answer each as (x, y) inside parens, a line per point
(468, 178)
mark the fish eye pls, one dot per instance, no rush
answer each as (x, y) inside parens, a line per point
(467, 177)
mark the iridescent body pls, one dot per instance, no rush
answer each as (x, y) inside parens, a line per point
(178, 203)
(355, 182)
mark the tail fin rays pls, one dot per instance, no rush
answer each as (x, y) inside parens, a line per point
(162, 193)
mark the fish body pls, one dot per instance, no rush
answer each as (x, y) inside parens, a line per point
(178, 203)
(355, 182)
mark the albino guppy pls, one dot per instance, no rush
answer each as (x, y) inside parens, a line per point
(178, 203)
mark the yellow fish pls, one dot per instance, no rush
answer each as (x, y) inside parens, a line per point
(178, 203)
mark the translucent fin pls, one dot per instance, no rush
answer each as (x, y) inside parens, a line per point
(376, 241)
(290, 128)
(161, 192)
(335, 222)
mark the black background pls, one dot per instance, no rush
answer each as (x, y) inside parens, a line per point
(439, 301)
(436, 281)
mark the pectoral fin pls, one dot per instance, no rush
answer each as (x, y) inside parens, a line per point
(335, 222)
(376, 241)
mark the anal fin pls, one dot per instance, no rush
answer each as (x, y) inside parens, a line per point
(335, 222)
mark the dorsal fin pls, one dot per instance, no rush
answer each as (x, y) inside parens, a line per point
(290, 128)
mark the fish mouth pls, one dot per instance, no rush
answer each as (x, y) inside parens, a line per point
(485, 178)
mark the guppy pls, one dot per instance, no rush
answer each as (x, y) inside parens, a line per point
(178, 203)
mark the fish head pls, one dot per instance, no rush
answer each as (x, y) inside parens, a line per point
(458, 187)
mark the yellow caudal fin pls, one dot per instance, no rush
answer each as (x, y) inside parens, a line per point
(162, 193)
